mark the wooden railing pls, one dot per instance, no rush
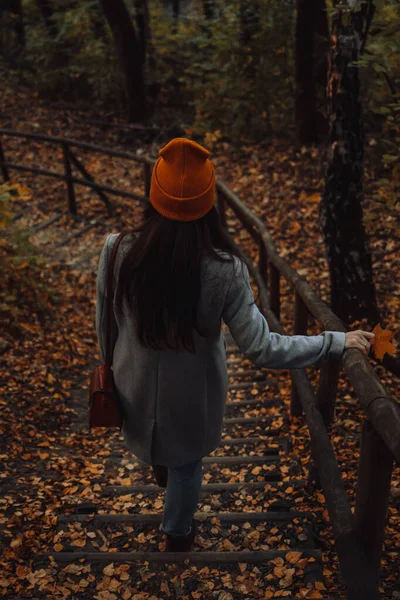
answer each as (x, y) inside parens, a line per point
(358, 537)
(70, 160)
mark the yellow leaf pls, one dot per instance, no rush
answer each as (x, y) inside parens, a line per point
(319, 585)
(23, 265)
(279, 572)
(227, 544)
(274, 530)
(382, 342)
(22, 571)
(28, 327)
(109, 570)
(293, 557)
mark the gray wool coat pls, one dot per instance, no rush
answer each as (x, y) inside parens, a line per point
(174, 401)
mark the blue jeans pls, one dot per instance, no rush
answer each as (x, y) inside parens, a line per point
(181, 498)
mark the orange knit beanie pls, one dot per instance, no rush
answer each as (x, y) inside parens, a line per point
(183, 181)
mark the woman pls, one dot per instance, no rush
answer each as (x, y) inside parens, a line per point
(176, 278)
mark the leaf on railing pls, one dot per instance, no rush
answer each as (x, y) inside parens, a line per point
(382, 342)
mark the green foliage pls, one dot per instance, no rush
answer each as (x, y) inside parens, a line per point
(75, 57)
(381, 75)
(241, 90)
(202, 66)
(21, 268)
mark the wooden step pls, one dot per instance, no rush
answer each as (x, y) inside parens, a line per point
(254, 374)
(253, 440)
(283, 442)
(156, 518)
(245, 385)
(173, 557)
(254, 401)
(207, 488)
(234, 361)
(239, 460)
(250, 420)
(233, 350)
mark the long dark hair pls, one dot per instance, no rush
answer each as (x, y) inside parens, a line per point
(160, 276)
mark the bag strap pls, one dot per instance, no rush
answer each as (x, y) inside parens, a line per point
(110, 294)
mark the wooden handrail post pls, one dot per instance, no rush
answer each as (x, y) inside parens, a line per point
(147, 179)
(221, 207)
(70, 184)
(4, 168)
(326, 402)
(327, 389)
(300, 328)
(372, 498)
(77, 163)
(263, 260)
(275, 294)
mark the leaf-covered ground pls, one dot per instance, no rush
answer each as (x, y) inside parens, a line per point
(50, 463)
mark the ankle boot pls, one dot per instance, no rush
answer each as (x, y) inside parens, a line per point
(181, 544)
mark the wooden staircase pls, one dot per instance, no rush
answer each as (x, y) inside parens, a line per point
(257, 448)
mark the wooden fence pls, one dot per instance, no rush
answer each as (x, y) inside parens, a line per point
(358, 537)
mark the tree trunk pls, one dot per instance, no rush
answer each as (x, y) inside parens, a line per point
(16, 9)
(97, 23)
(321, 52)
(128, 53)
(176, 8)
(311, 55)
(15, 22)
(46, 10)
(249, 12)
(208, 7)
(306, 100)
(350, 265)
(143, 26)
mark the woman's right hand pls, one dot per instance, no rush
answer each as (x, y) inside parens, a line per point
(360, 339)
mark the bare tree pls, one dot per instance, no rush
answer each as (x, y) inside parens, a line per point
(350, 265)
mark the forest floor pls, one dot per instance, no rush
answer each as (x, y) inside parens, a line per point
(48, 462)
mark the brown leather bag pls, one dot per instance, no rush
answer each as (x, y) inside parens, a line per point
(104, 406)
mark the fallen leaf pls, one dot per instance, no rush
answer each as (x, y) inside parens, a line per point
(293, 557)
(382, 342)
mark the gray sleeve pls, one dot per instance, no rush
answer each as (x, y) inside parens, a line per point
(101, 298)
(250, 330)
